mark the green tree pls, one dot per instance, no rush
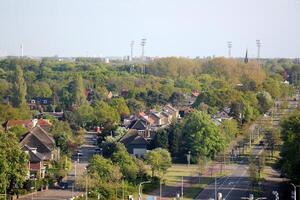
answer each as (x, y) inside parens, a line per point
(265, 101)
(273, 140)
(159, 160)
(85, 115)
(201, 135)
(174, 138)
(103, 169)
(106, 115)
(63, 136)
(13, 163)
(230, 128)
(161, 139)
(19, 88)
(79, 91)
(119, 104)
(127, 164)
(290, 151)
(40, 89)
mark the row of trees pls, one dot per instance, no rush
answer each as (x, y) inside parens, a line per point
(197, 134)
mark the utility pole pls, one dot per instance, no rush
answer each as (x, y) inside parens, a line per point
(143, 44)
(258, 44)
(182, 187)
(215, 188)
(21, 51)
(160, 190)
(229, 45)
(131, 50)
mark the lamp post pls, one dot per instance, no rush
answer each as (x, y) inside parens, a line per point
(189, 158)
(295, 191)
(140, 188)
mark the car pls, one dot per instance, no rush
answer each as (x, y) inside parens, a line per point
(63, 185)
(98, 150)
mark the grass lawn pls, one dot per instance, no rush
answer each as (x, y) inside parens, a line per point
(192, 187)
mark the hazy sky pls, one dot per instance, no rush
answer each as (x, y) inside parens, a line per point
(172, 27)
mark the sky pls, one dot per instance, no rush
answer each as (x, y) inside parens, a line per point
(172, 27)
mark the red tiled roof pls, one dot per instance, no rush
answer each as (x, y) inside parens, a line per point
(27, 123)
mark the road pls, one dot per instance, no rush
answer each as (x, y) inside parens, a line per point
(235, 185)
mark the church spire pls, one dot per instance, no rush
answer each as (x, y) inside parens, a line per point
(246, 57)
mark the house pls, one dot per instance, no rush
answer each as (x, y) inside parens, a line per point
(39, 103)
(28, 124)
(220, 116)
(36, 161)
(142, 126)
(135, 143)
(160, 118)
(40, 146)
(172, 111)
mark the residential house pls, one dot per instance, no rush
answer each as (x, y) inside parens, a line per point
(135, 143)
(40, 146)
(220, 116)
(171, 111)
(28, 124)
(39, 103)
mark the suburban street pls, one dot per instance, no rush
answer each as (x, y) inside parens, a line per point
(235, 185)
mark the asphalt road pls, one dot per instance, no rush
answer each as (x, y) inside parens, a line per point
(234, 186)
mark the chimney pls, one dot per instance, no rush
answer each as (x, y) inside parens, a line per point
(34, 122)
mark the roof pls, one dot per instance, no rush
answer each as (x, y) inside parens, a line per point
(32, 141)
(33, 157)
(43, 136)
(133, 137)
(170, 108)
(138, 124)
(27, 123)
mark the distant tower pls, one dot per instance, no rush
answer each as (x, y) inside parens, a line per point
(143, 44)
(246, 57)
(229, 45)
(131, 50)
(21, 51)
(258, 44)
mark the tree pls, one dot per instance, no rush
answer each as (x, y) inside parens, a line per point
(103, 169)
(273, 140)
(159, 160)
(127, 164)
(119, 104)
(63, 136)
(79, 91)
(40, 89)
(106, 115)
(19, 88)
(13, 163)
(201, 135)
(174, 138)
(290, 151)
(230, 128)
(85, 115)
(265, 101)
(161, 139)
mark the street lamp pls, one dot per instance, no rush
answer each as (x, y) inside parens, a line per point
(294, 194)
(189, 158)
(140, 188)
